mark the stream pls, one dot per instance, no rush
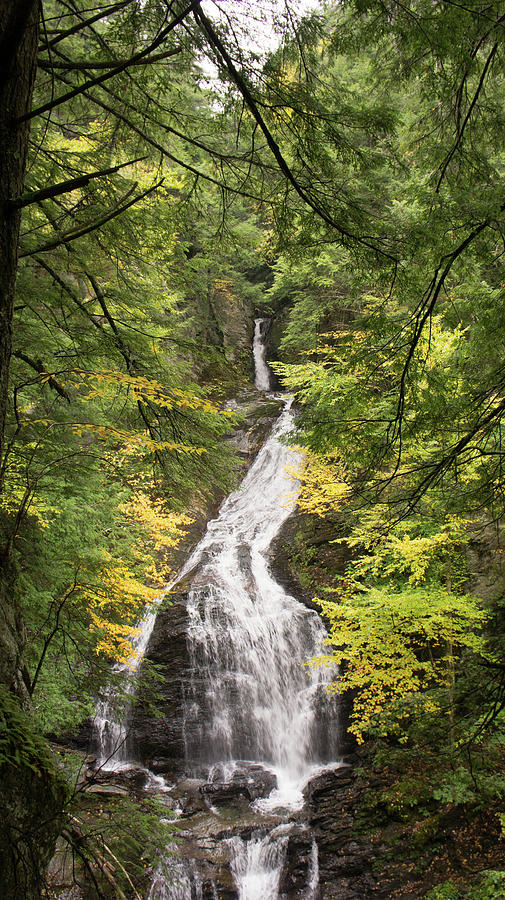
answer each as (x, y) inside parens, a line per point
(257, 723)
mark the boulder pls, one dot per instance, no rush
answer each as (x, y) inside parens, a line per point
(248, 782)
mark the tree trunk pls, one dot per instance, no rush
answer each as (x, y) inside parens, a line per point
(31, 794)
(18, 48)
(18, 44)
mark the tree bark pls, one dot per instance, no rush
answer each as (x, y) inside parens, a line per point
(18, 42)
(31, 794)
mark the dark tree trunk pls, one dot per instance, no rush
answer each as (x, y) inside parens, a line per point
(18, 49)
(31, 795)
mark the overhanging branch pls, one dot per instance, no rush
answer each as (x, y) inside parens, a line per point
(239, 81)
(76, 233)
(136, 58)
(64, 187)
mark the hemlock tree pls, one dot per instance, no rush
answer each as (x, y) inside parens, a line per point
(331, 164)
(19, 44)
(113, 108)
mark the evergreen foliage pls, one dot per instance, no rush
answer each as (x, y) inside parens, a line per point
(396, 366)
(363, 160)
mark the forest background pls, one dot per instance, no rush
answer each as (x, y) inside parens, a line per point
(350, 183)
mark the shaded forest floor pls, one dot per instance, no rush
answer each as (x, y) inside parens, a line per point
(424, 848)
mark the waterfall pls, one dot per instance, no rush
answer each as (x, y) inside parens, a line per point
(257, 864)
(262, 375)
(248, 639)
(252, 698)
(111, 728)
(184, 883)
(313, 885)
(251, 702)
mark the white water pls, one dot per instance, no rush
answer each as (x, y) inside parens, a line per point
(257, 864)
(184, 883)
(111, 732)
(252, 698)
(262, 378)
(248, 639)
(110, 727)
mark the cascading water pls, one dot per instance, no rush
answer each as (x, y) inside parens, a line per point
(248, 643)
(248, 639)
(251, 703)
(111, 731)
(257, 864)
(184, 884)
(262, 376)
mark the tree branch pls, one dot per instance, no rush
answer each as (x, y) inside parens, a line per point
(52, 633)
(424, 313)
(42, 370)
(76, 233)
(49, 65)
(461, 131)
(136, 58)
(221, 52)
(64, 187)
(166, 153)
(116, 7)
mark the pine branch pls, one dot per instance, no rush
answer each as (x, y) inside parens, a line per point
(116, 7)
(64, 187)
(136, 58)
(50, 65)
(76, 233)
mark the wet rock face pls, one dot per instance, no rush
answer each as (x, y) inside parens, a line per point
(158, 739)
(215, 815)
(295, 878)
(249, 782)
(301, 533)
(259, 780)
(345, 860)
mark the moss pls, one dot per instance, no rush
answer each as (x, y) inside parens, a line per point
(33, 794)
